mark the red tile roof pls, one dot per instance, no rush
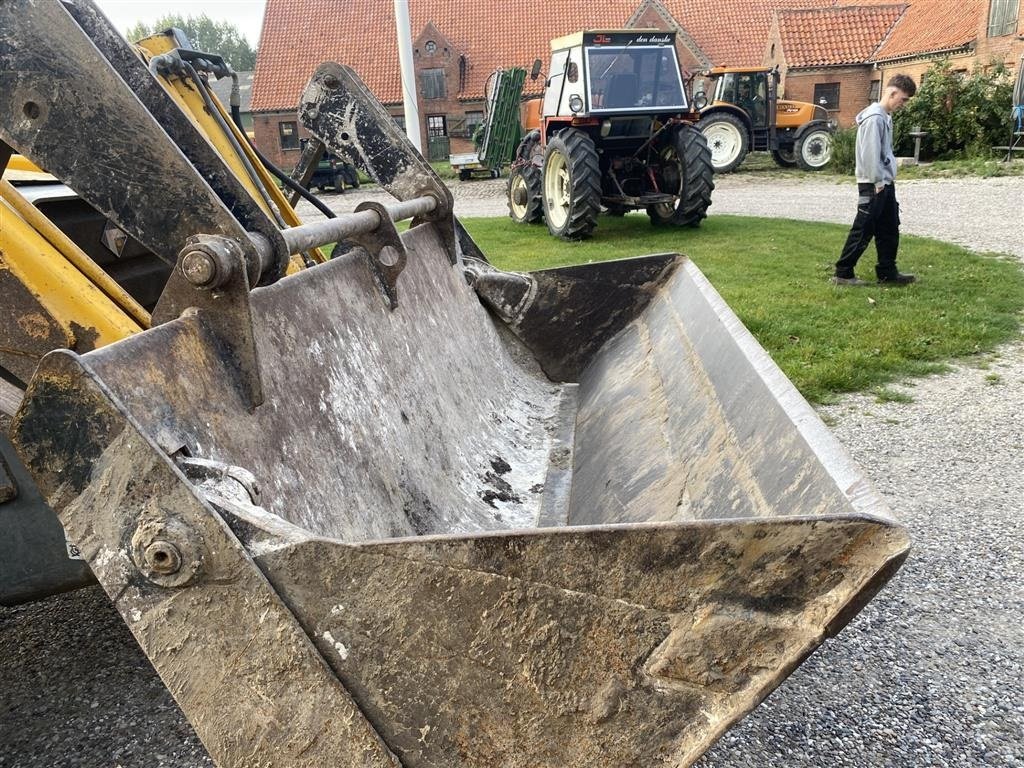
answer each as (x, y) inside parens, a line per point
(929, 26)
(833, 36)
(733, 32)
(299, 34)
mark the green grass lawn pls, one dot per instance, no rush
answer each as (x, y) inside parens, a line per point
(774, 274)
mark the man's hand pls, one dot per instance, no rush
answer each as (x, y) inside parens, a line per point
(878, 188)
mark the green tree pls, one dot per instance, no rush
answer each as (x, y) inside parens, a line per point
(963, 114)
(206, 35)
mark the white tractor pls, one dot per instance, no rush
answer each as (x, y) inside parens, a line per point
(616, 130)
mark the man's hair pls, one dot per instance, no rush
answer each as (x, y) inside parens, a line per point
(904, 82)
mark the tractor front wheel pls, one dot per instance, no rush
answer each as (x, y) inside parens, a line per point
(727, 139)
(524, 194)
(685, 171)
(572, 185)
(814, 149)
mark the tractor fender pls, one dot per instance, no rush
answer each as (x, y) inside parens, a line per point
(526, 143)
(731, 109)
(812, 125)
(527, 152)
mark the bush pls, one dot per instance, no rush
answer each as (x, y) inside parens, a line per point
(844, 143)
(963, 115)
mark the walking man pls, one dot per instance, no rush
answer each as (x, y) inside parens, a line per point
(878, 213)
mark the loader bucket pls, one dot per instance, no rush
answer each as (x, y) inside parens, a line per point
(571, 518)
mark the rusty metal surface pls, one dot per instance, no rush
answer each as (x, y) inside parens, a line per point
(566, 315)
(577, 647)
(165, 562)
(27, 330)
(183, 132)
(401, 455)
(122, 162)
(340, 111)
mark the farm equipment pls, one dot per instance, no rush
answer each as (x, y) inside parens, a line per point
(745, 115)
(402, 507)
(334, 173)
(616, 130)
(498, 136)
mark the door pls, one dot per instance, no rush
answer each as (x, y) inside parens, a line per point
(438, 143)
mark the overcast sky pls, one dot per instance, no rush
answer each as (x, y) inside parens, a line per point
(247, 15)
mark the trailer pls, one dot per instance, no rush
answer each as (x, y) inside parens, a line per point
(501, 128)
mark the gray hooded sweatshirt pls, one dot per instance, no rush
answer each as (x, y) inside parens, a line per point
(876, 163)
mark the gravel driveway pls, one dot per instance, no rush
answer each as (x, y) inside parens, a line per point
(930, 674)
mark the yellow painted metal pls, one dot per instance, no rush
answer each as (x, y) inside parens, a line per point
(20, 168)
(788, 113)
(717, 71)
(22, 163)
(193, 105)
(70, 297)
(64, 245)
(793, 114)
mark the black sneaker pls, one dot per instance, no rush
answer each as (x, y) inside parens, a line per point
(898, 279)
(837, 280)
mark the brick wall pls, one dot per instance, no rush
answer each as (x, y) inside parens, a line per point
(1005, 48)
(268, 136)
(854, 84)
(915, 69)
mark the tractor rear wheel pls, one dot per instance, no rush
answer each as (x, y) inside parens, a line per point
(685, 171)
(727, 139)
(814, 149)
(572, 185)
(524, 195)
(784, 158)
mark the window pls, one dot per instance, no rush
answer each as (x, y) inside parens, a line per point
(1002, 17)
(400, 119)
(875, 90)
(289, 135)
(827, 95)
(634, 78)
(430, 47)
(437, 126)
(432, 81)
(473, 121)
(573, 73)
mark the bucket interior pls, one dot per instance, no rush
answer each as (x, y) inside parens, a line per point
(433, 418)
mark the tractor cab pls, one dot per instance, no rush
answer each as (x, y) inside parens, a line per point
(748, 90)
(606, 73)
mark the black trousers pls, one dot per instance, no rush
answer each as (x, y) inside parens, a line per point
(878, 217)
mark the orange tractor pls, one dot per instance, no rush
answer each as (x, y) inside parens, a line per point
(746, 115)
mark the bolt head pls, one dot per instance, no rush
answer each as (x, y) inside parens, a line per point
(199, 268)
(162, 558)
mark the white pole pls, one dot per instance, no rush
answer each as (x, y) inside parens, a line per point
(412, 111)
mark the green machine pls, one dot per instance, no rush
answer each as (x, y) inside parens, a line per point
(497, 138)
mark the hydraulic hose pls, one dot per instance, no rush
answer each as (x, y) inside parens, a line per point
(284, 178)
